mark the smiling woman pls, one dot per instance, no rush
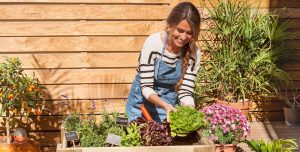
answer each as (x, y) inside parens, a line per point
(168, 64)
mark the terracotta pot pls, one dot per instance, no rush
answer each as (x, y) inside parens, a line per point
(225, 148)
(243, 106)
(292, 116)
(26, 146)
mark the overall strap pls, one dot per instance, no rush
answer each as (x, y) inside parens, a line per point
(164, 45)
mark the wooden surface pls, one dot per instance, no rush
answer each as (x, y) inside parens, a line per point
(88, 51)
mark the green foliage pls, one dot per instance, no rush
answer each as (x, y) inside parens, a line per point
(185, 120)
(19, 93)
(88, 136)
(132, 138)
(91, 133)
(71, 122)
(242, 54)
(280, 145)
(222, 138)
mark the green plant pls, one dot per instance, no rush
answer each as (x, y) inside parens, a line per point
(71, 122)
(185, 120)
(88, 135)
(242, 53)
(132, 137)
(280, 145)
(19, 93)
(92, 133)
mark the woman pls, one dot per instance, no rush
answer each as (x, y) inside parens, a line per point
(168, 64)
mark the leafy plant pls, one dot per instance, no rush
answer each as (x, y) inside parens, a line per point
(225, 124)
(132, 137)
(185, 120)
(88, 136)
(280, 145)
(71, 122)
(19, 93)
(156, 134)
(242, 53)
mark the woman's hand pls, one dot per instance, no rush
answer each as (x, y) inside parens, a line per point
(168, 108)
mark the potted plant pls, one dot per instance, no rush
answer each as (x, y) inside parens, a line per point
(291, 108)
(226, 126)
(19, 93)
(240, 55)
(286, 145)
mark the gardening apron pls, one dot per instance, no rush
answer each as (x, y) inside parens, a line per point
(165, 78)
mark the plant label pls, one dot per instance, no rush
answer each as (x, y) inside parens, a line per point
(122, 121)
(113, 139)
(71, 136)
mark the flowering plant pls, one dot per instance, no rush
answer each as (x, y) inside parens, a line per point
(225, 124)
(19, 93)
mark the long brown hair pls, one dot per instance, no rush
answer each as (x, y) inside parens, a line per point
(186, 11)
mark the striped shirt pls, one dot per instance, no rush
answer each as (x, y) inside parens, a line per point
(152, 50)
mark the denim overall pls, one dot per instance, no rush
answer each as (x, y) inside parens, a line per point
(165, 78)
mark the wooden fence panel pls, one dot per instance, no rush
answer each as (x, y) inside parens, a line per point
(88, 51)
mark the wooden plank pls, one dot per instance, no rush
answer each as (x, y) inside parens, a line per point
(83, 76)
(291, 56)
(255, 3)
(76, 60)
(71, 44)
(267, 106)
(87, 1)
(97, 106)
(288, 12)
(293, 44)
(88, 91)
(290, 66)
(83, 12)
(294, 74)
(80, 28)
(266, 116)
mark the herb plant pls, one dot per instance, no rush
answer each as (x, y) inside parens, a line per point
(185, 120)
(71, 122)
(280, 145)
(132, 137)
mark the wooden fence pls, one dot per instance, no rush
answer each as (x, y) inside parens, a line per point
(87, 50)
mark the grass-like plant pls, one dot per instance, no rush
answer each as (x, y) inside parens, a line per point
(280, 145)
(243, 47)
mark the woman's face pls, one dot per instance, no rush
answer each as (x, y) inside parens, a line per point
(180, 34)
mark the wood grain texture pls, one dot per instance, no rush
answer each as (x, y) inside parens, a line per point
(88, 1)
(83, 12)
(71, 44)
(77, 60)
(83, 76)
(80, 28)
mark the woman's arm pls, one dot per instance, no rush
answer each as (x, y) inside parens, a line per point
(155, 99)
(186, 89)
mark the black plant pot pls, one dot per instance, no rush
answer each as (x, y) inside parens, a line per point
(292, 116)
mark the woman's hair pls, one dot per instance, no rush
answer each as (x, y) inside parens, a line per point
(186, 11)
